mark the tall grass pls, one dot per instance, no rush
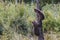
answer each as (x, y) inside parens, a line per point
(16, 20)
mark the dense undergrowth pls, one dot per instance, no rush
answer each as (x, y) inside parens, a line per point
(17, 19)
(52, 17)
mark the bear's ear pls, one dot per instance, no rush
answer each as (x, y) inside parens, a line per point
(39, 13)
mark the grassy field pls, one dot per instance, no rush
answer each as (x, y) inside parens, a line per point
(29, 37)
(16, 21)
